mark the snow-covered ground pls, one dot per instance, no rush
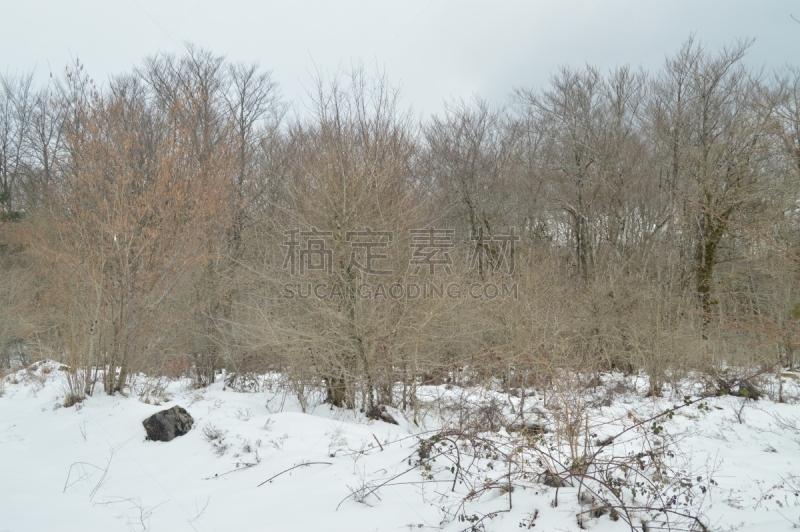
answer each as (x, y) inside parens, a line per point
(734, 463)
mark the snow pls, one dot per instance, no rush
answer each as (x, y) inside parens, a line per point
(88, 467)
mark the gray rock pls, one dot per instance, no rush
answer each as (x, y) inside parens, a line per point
(167, 424)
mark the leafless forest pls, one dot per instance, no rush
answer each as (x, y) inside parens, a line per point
(149, 224)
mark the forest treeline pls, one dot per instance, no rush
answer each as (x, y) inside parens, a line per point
(182, 219)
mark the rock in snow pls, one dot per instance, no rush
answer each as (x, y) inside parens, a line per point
(167, 424)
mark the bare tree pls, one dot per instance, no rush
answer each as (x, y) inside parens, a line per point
(470, 160)
(132, 213)
(716, 128)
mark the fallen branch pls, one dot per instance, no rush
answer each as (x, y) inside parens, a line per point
(293, 467)
(245, 465)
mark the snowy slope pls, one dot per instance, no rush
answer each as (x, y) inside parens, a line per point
(89, 468)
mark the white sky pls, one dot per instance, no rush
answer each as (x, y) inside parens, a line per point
(434, 49)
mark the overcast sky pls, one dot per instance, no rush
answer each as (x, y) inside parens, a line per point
(435, 50)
